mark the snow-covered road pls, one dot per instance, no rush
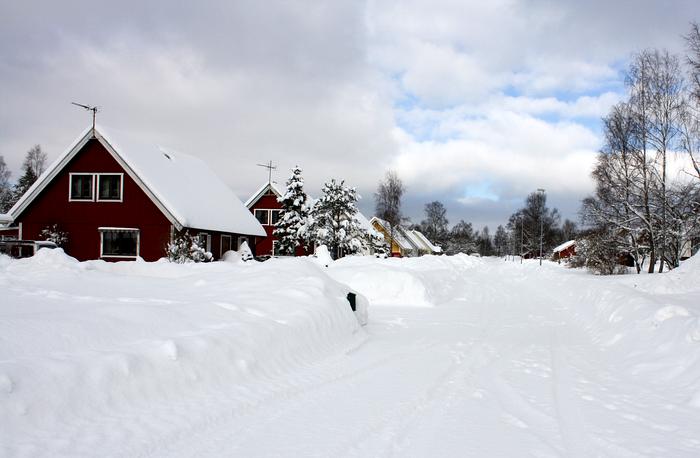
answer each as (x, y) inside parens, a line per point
(504, 369)
(492, 358)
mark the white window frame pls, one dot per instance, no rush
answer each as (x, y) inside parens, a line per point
(70, 187)
(221, 244)
(208, 247)
(279, 211)
(102, 230)
(267, 212)
(96, 184)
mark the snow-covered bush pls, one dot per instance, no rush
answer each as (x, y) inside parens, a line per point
(186, 248)
(598, 252)
(245, 253)
(52, 233)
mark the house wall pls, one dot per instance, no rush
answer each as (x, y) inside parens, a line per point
(395, 248)
(11, 232)
(263, 245)
(216, 241)
(81, 219)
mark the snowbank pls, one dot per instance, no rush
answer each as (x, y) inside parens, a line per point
(651, 322)
(114, 340)
(426, 281)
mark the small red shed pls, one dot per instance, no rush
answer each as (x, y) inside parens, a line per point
(118, 198)
(565, 250)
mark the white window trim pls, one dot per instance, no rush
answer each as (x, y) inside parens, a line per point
(269, 215)
(102, 230)
(96, 184)
(70, 187)
(208, 247)
(221, 244)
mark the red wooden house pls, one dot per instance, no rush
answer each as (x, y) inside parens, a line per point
(565, 250)
(119, 199)
(264, 206)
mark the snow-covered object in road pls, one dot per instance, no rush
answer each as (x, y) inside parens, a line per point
(426, 281)
(322, 256)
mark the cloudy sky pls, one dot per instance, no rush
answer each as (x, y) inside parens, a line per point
(473, 103)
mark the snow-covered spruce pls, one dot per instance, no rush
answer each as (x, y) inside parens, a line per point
(333, 220)
(291, 228)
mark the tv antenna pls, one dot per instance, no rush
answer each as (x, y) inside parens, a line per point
(270, 167)
(94, 113)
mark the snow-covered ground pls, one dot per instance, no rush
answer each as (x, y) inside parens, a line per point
(461, 357)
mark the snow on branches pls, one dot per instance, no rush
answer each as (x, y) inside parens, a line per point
(291, 227)
(332, 221)
(187, 248)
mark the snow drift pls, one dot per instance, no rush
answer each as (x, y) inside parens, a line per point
(94, 340)
(426, 281)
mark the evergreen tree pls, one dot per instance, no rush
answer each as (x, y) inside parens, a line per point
(461, 239)
(485, 243)
(33, 166)
(6, 196)
(291, 227)
(333, 222)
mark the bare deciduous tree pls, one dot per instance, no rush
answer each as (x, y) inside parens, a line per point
(388, 200)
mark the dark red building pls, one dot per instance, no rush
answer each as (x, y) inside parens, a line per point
(123, 200)
(565, 250)
(264, 206)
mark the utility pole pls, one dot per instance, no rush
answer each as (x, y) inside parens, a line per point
(541, 191)
(522, 237)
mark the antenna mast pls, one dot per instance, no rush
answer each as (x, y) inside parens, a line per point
(94, 114)
(270, 167)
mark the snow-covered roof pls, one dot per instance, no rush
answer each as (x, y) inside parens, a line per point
(399, 237)
(261, 191)
(5, 218)
(564, 246)
(365, 224)
(413, 239)
(426, 242)
(183, 187)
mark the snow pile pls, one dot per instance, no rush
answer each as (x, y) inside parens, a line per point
(426, 281)
(116, 342)
(652, 322)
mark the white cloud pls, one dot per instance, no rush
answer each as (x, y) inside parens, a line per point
(516, 153)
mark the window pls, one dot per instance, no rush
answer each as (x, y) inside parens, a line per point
(117, 242)
(225, 244)
(276, 248)
(81, 186)
(109, 187)
(263, 216)
(204, 241)
(275, 216)
(241, 240)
